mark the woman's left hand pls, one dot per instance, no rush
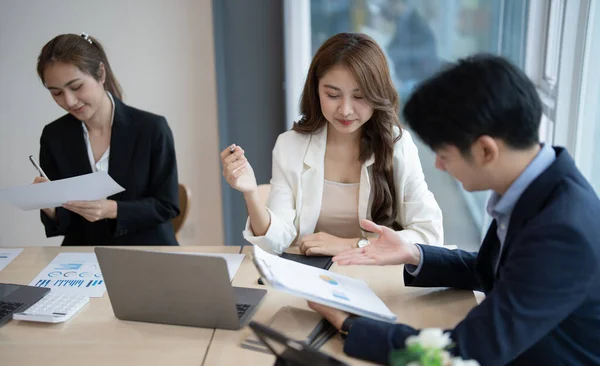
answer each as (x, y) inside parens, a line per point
(93, 210)
(324, 244)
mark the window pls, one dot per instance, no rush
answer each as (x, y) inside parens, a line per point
(419, 36)
(587, 151)
(567, 77)
(553, 38)
(546, 20)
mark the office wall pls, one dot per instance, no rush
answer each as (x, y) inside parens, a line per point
(162, 52)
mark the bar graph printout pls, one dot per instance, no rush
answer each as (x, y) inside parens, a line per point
(73, 274)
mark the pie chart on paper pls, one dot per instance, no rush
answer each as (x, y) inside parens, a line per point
(329, 280)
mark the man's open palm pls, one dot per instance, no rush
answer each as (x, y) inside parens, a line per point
(386, 249)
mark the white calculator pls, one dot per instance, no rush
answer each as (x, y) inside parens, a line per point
(53, 308)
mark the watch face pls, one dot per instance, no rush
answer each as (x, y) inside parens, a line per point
(363, 243)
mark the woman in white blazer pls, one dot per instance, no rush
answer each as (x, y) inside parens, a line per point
(346, 160)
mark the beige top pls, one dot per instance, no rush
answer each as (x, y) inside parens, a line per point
(339, 210)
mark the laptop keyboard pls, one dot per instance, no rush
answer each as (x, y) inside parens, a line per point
(241, 309)
(8, 307)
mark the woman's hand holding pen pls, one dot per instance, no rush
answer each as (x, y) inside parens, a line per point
(239, 174)
(237, 170)
(37, 180)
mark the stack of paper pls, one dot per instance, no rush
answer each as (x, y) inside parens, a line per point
(320, 286)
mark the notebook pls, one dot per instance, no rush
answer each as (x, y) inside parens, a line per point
(323, 262)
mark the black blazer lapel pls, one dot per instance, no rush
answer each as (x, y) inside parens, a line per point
(122, 142)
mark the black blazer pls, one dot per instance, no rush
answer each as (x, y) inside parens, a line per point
(142, 160)
(542, 306)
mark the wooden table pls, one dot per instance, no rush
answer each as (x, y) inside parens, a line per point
(417, 307)
(95, 337)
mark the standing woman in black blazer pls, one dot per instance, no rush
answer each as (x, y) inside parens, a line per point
(101, 133)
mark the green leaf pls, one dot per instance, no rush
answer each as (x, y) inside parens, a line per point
(402, 357)
(431, 357)
(416, 352)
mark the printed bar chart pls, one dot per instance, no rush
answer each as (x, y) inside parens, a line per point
(74, 274)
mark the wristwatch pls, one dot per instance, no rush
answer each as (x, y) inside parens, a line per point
(362, 242)
(346, 325)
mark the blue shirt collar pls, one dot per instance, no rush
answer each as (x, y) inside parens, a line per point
(503, 205)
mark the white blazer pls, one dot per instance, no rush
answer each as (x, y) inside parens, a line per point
(297, 189)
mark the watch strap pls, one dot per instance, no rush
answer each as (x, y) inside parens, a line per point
(347, 325)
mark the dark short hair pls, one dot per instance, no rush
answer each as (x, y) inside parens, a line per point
(479, 95)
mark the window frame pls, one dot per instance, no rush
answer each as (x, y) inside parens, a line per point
(589, 108)
(297, 52)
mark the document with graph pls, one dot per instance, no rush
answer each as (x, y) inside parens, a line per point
(321, 286)
(7, 255)
(72, 274)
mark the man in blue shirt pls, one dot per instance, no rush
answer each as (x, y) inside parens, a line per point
(539, 263)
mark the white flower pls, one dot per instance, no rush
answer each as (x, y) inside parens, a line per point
(446, 358)
(457, 361)
(435, 339)
(430, 338)
(410, 340)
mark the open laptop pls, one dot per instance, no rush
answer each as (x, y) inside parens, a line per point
(16, 298)
(175, 288)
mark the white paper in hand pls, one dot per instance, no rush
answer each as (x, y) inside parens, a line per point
(321, 286)
(89, 187)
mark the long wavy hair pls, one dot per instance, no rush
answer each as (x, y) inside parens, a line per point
(363, 57)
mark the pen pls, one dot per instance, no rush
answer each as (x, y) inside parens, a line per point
(37, 166)
(231, 149)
